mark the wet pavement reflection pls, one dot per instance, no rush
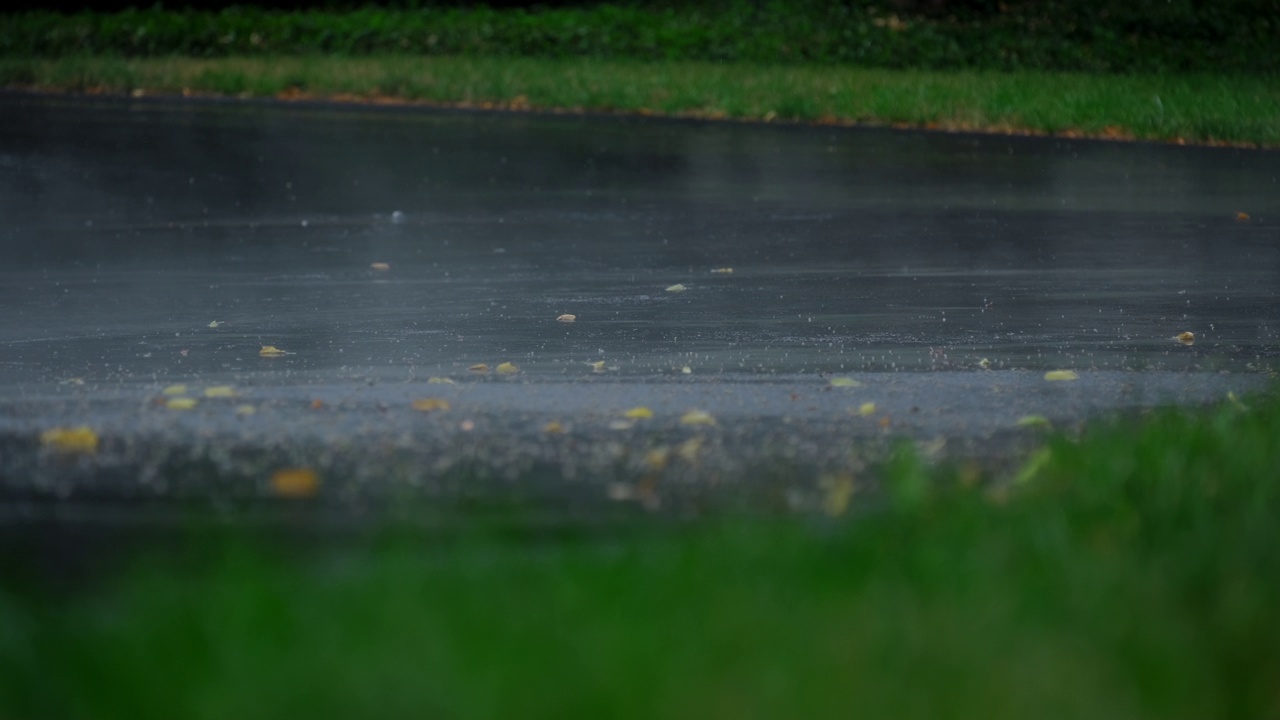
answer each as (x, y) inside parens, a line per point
(727, 267)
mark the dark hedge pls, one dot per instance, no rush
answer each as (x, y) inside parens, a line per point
(1240, 36)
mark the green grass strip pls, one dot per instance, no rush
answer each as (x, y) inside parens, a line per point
(1196, 108)
(1132, 572)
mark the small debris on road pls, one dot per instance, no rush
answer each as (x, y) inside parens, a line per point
(1061, 375)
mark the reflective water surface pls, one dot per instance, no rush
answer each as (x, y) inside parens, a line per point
(131, 227)
(147, 243)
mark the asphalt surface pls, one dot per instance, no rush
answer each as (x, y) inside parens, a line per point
(885, 285)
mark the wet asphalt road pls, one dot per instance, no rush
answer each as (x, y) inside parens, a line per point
(936, 278)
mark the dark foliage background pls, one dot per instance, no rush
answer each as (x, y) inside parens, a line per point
(1239, 36)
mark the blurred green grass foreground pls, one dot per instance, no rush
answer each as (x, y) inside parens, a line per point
(1133, 571)
(1172, 70)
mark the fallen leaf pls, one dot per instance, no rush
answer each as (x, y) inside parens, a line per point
(181, 403)
(295, 482)
(479, 368)
(1242, 217)
(439, 381)
(507, 368)
(174, 390)
(686, 370)
(566, 318)
(597, 366)
(430, 404)
(317, 404)
(639, 413)
(220, 391)
(245, 410)
(836, 492)
(656, 458)
(985, 364)
(380, 266)
(215, 323)
(867, 408)
(722, 271)
(71, 440)
(1186, 338)
(553, 428)
(697, 417)
(1061, 375)
(1235, 401)
(1037, 421)
(844, 382)
(689, 449)
(677, 288)
(271, 351)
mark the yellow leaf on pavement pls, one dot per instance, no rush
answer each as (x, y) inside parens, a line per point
(271, 351)
(1061, 375)
(295, 482)
(220, 391)
(844, 382)
(71, 440)
(697, 417)
(430, 404)
(656, 458)
(174, 390)
(181, 403)
(506, 368)
(639, 413)
(689, 449)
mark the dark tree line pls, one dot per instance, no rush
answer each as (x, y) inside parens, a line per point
(967, 9)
